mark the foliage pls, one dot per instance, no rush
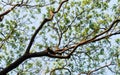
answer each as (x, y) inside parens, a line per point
(68, 37)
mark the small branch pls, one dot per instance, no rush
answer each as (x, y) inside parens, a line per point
(60, 6)
(109, 35)
(58, 56)
(60, 69)
(110, 69)
(8, 36)
(107, 30)
(6, 12)
(14, 5)
(89, 73)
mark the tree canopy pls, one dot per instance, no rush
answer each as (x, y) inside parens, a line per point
(59, 37)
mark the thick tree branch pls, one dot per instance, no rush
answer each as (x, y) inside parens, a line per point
(42, 24)
(21, 59)
(27, 54)
(34, 35)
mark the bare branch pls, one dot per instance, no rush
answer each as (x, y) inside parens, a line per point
(60, 6)
(90, 72)
(60, 69)
(6, 12)
(15, 5)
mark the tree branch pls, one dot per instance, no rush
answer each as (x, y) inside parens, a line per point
(90, 72)
(92, 39)
(21, 59)
(27, 54)
(6, 12)
(42, 24)
(60, 69)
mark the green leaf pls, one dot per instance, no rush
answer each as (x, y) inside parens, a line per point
(1, 25)
(33, 27)
(117, 41)
(1, 39)
(0, 8)
(37, 0)
(40, 46)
